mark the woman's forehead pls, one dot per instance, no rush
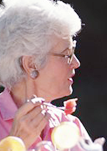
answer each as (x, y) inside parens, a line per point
(62, 45)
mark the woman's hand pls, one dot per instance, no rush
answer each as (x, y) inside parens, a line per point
(29, 121)
(88, 145)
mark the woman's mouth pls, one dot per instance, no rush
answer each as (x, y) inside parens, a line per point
(71, 80)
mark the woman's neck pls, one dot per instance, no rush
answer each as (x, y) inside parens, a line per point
(18, 94)
(25, 90)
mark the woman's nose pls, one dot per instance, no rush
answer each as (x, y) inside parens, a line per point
(75, 62)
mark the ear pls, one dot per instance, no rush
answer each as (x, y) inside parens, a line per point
(28, 65)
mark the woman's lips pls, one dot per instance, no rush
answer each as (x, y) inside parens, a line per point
(71, 80)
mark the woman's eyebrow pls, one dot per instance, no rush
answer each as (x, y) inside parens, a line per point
(65, 50)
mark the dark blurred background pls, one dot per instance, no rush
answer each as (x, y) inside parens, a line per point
(90, 81)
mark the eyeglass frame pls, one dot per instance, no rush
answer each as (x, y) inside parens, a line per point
(67, 56)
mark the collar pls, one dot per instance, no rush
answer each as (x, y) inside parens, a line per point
(7, 106)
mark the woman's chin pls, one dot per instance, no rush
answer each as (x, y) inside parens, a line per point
(67, 92)
(70, 89)
(62, 93)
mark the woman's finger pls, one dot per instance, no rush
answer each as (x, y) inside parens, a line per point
(32, 114)
(27, 107)
(36, 121)
(43, 122)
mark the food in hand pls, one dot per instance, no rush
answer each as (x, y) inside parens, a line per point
(12, 143)
(65, 136)
(70, 106)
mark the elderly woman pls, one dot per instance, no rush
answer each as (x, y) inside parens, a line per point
(36, 60)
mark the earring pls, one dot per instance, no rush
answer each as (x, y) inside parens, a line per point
(34, 74)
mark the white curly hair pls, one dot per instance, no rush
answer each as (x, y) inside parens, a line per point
(26, 28)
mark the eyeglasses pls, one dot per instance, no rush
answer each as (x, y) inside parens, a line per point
(69, 57)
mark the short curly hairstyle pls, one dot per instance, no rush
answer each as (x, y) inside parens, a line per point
(26, 28)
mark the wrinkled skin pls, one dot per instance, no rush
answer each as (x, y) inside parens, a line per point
(29, 122)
